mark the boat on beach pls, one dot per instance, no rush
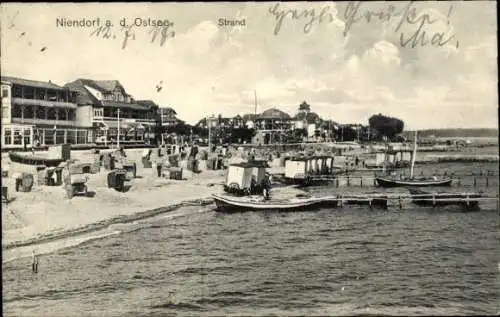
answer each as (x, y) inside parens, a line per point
(401, 181)
(30, 159)
(412, 182)
(226, 203)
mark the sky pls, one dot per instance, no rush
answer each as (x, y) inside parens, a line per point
(346, 67)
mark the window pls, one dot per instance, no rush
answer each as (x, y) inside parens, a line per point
(71, 114)
(5, 111)
(81, 137)
(38, 136)
(27, 136)
(16, 111)
(7, 136)
(51, 115)
(60, 137)
(62, 114)
(49, 136)
(5, 92)
(17, 92)
(28, 112)
(98, 113)
(71, 137)
(29, 93)
(40, 113)
(18, 139)
(40, 95)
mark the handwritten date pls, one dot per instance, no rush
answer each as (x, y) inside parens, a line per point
(128, 33)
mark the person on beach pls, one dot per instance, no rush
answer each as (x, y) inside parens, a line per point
(266, 186)
(34, 264)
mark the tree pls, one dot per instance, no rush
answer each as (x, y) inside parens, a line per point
(239, 135)
(305, 107)
(384, 126)
(345, 133)
(181, 128)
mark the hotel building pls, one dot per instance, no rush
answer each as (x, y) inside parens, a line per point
(109, 110)
(39, 113)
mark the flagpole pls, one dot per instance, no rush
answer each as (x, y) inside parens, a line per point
(118, 142)
(255, 102)
(209, 137)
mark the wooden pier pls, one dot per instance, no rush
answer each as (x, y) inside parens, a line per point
(469, 201)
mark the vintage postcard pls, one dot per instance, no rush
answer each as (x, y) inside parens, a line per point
(250, 159)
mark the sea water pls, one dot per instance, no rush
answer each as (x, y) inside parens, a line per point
(195, 261)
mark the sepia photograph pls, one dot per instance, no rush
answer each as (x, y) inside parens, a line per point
(250, 159)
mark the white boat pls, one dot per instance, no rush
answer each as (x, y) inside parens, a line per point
(258, 203)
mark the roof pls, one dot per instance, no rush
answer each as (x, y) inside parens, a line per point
(31, 83)
(147, 103)
(117, 104)
(84, 97)
(274, 113)
(167, 110)
(107, 85)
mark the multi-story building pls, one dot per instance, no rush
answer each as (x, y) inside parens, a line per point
(273, 119)
(39, 113)
(271, 125)
(112, 112)
(168, 116)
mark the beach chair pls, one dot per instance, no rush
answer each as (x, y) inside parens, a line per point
(5, 196)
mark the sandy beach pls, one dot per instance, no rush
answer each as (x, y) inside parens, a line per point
(47, 213)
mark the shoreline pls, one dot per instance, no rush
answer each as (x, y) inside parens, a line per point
(45, 215)
(102, 224)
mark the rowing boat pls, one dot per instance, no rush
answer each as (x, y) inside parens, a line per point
(228, 203)
(34, 160)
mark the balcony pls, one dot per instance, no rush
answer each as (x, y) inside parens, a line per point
(43, 103)
(147, 121)
(44, 121)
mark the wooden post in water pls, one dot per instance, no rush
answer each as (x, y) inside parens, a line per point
(474, 181)
(487, 181)
(341, 201)
(337, 182)
(400, 202)
(348, 181)
(459, 181)
(361, 181)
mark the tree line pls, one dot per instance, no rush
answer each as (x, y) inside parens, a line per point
(380, 127)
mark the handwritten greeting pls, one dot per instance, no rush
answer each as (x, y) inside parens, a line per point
(407, 16)
(353, 14)
(158, 33)
(310, 15)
